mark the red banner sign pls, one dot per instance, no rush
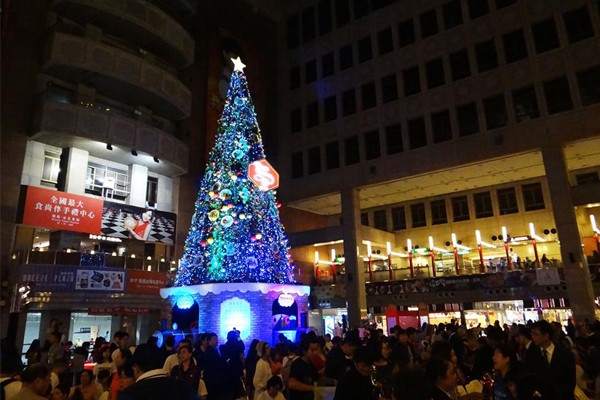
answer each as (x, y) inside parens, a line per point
(263, 175)
(61, 210)
(145, 282)
(118, 310)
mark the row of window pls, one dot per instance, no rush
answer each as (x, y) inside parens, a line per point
(533, 199)
(304, 27)
(557, 95)
(544, 33)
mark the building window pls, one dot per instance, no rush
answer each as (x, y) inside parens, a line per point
(385, 41)
(412, 81)
(504, 3)
(365, 49)
(478, 8)
(349, 102)
(327, 64)
(393, 139)
(364, 219)
(468, 120)
(294, 78)
(417, 212)
(330, 108)
(438, 212)
(558, 95)
(429, 24)
(361, 8)
(293, 31)
(372, 145)
(312, 114)
(151, 192)
(507, 201)
(589, 85)
(332, 155)
(495, 112)
(368, 95)
(434, 71)
(106, 182)
(515, 48)
(406, 33)
(308, 25)
(589, 178)
(51, 168)
(346, 57)
(296, 120)
(314, 160)
(398, 218)
(380, 220)
(486, 56)
(460, 209)
(483, 205)
(533, 197)
(459, 64)
(324, 8)
(297, 165)
(389, 88)
(452, 14)
(525, 103)
(342, 12)
(417, 135)
(311, 71)
(440, 124)
(351, 150)
(578, 24)
(545, 36)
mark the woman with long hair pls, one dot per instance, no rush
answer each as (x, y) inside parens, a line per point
(34, 353)
(102, 360)
(186, 371)
(250, 365)
(263, 368)
(87, 388)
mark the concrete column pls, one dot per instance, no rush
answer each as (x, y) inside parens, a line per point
(165, 194)
(138, 182)
(355, 277)
(577, 274)
(33, 164)
(74, 161)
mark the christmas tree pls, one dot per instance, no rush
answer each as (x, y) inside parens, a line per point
(236, 235)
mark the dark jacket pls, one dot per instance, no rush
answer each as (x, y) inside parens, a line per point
(558, 379)
(158, 388)
(336, 364)
(354, 386)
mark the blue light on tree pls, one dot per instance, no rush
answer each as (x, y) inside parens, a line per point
(235, 234)
(185, 302)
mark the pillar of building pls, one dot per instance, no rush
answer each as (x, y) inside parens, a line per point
(577, 274)
(33, 166)
(165, 194)
(355, 277)
(138, 184)
(74, 164)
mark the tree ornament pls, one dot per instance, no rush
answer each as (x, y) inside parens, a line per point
(213, 215)
(227, 221)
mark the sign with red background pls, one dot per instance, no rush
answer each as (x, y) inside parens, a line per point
(61, 210)
(145, 282)
(263, 175)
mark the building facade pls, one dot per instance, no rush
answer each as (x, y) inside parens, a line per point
(418, 132)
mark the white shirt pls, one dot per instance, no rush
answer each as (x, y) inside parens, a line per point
(550, 351)
(261, 376)
(155, 373)
(11, 389)
(265, 396)
(170, 362)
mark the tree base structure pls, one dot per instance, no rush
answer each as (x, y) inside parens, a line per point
(258, 310)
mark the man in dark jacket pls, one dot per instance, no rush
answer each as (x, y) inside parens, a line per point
(340, 359)
(355, 382)
(232, 353)
(151, 382)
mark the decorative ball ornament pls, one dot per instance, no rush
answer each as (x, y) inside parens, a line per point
(242, 216)
(227, 221)
(213, 215)
(259, 236)
(211, 194)
(239, 101)
(210, 240)
(238, 154)
(252, 262)
(203, 243)
(225, 194)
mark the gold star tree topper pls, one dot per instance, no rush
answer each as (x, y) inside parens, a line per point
(238, 65)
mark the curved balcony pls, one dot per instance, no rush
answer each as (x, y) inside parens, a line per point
(117, 74)
(137, 21)
(66, 125)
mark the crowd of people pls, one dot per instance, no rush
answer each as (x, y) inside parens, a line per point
(540, 360)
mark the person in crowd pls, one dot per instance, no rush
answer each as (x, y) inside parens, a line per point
(287, 363)
(102, 379)
(56, 351)
(122, 357)
(384, 367)
(102, 358)
(80, 356)
(186, 371)
(232, 354)
(168, 347)
(339, 359)
(58, 369)
(61, 392)
(328, 343)
(320, 359)
(9, 386)
(303, 374)
(199, 349)
(213, 371)
(355, 382)
(263, 368)
(173, 359)
(121, 342)
(87, 388)
(556, 366)
(126, 378)
(151, 381)
(405, 352)
(35, 380)
(250, 366)
(274, 389)
(116, 341)
(34, 353)
(505, 362)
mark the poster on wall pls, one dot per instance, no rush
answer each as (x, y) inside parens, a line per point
(100, 280)
(68, 278)
(145, 282)
(129, 222)
(61, 210)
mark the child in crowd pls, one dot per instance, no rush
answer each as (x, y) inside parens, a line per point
(274, 388)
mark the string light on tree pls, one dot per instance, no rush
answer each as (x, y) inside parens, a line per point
(236, 235)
